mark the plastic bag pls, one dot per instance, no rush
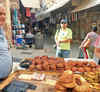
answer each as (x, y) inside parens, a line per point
(84, 53)
(81, 55)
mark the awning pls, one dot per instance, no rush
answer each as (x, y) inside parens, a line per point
(58, 4)
(41, 17)
(86, 5)
(31, 3)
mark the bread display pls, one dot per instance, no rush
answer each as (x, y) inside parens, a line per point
(77, 75)
(72, 81)
(81, 84)
(45, 63)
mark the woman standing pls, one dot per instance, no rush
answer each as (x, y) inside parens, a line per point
(89, 41)
(97, 50)
(63, 39)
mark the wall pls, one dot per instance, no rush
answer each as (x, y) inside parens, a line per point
(84, 24)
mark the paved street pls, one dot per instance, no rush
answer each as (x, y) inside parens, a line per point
(48, 50)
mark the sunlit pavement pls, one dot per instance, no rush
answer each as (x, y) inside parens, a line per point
(47, 50)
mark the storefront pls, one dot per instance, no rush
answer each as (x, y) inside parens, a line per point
(88, 13)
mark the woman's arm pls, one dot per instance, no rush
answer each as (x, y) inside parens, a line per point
(68, 38)
(56, 36)
(97, 52)
(84, 41)
(65, 41)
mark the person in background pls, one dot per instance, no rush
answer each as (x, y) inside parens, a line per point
(97, 50)
(89, 41)
(46, 31)
(39, 41)
(5, 57)
(63, 38)
(35, 30)
(29, 38)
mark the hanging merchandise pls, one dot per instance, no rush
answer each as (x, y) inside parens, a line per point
(69, 17)
(19, 16)
(18, 34)
(72, 17)
(22, 8)
(28, 12)
(51, 20)
(54, 20)
(76, 16)
(15, 17)
(66, 17)
(33, 18)
(23, 29)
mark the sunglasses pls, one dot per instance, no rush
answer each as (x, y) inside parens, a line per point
(63, 23)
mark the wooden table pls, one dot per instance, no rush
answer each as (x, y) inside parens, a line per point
(8, 80)
(42, 86)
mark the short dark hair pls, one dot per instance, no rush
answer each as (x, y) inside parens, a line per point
(94, 29)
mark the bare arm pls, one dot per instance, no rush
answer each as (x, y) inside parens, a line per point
(65, 41)
(84, 41)
(97, 52)
(56, 37)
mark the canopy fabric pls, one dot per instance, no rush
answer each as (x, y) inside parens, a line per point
(31, 3)
(58, 4)
(41, 17)
(88, 4)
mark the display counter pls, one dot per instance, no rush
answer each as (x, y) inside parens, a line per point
(43, 79)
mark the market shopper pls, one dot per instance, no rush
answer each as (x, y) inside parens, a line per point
(29, 38)
(39, 41)
(63, 38)
(5, 57)
(97, 51)
(46, 31)
(89, 41)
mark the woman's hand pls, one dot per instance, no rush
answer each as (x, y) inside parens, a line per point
(58, 43)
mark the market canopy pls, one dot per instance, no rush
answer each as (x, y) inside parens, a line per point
(58, 4)
(86, 5)
(31, 3)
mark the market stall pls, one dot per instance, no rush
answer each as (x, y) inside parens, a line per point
(49, 74)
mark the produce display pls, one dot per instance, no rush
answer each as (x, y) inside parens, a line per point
(74, 82)
(45, 63)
